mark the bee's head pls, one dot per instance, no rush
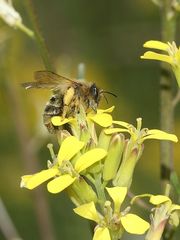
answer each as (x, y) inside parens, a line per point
(95, 93)
(95, 96)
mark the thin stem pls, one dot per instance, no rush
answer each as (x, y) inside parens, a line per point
(100, 190)
(90, 178)
(176, 100)
(38, 36)
(6, 224)
(140, 202)
(26, 30)
(166, 92)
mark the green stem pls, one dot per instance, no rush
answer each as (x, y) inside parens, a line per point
(90, 178)
(100, 190)
(26, 30)
(38, 36)
(168, 17)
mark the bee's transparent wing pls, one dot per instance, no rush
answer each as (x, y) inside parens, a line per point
(48, 80)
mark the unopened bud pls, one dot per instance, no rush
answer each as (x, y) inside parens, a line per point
(113, 159)
(104, 140)
(81, 192)
(126, 170)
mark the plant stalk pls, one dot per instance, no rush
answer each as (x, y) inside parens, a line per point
(38, 36)
(168, 18)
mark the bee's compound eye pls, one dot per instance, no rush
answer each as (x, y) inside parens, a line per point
(94, 91)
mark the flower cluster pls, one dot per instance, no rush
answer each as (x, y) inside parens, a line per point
(164, 212)
(96, 170)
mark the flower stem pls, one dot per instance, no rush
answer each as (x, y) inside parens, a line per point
(100, 190)
(38, 36)
(168, 17)
(26, 30)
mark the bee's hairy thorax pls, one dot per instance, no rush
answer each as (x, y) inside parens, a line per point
(68, 103)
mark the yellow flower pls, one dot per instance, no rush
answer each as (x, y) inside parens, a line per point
(171, 56)
(106, 224)
(134, 148)
(139, 135)
(101, 117)
(165, 211)
(63, 171)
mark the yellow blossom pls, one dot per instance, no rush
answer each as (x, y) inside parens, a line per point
(171, 55)
(139, 135)
(133, 147)
(62, 170)
(101, 117)
(165, 211)
(130, 222)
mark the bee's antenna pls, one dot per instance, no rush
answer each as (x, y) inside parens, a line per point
(105, 97)
(109, 93)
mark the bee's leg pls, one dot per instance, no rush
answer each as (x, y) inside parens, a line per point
(48, 124)
(49, 112)
(93, 105)
(65, 111)
(67, 100)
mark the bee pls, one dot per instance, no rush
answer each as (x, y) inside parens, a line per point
(68, 96)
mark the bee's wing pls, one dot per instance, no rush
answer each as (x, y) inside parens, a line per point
(48, 80)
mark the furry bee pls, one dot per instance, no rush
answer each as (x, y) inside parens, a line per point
(68, 96)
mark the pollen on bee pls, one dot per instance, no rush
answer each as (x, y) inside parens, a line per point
(68, 96)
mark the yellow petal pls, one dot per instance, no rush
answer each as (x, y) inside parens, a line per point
(101, 234)
(32, 181)
(157, 56)
(176, 71)
(134, 224)
(121, 123)
(158, 199)
(89, 158)
(87, 211)
(69, 147)
(156, 45)
(103, 119)
(118, 195)
(59, 121)
(161, 135)
(174, 219)
(115, 130)
(60, 183)
(108, 110)
(175, 207)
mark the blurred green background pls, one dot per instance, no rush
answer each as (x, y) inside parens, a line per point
(107, 36)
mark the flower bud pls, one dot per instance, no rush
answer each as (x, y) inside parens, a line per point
(81, 192)
(113, 159)
(104, 140)
(126, 170)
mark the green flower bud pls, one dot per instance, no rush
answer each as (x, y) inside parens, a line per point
(126, 170)
(104, 140)
(81, 192)
(113, 159)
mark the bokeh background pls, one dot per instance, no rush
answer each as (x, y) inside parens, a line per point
(107, 36)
